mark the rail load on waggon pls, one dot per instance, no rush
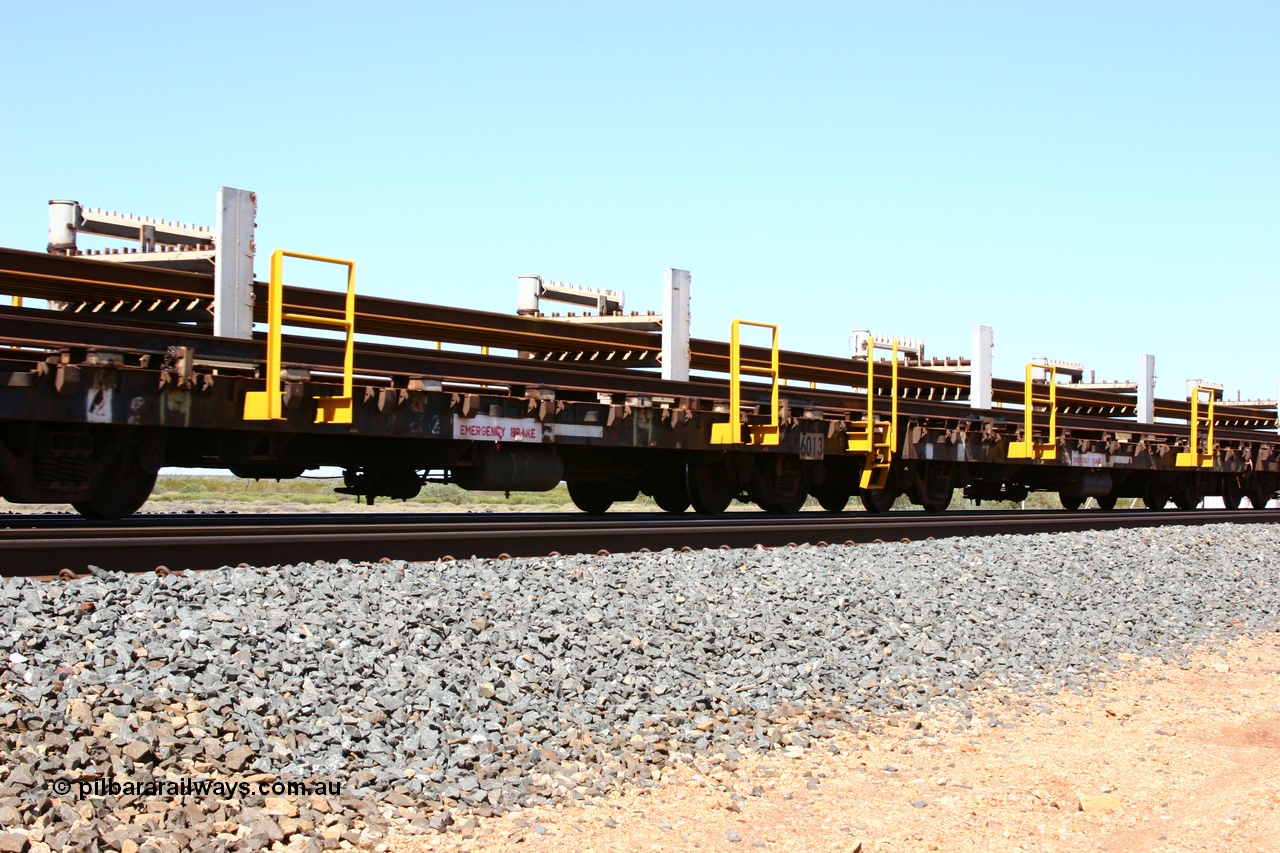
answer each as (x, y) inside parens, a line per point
(170, 354)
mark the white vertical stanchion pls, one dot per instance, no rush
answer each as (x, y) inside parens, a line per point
(233, 263)
(675, 325)
(980, 377)
(1146, 389)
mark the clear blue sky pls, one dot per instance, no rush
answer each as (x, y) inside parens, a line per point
(1094, 180)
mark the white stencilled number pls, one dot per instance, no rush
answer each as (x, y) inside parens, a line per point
(812, 446)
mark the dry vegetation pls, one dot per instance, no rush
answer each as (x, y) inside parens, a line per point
(198, 489)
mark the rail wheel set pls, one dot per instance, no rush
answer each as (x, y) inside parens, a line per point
(117, 364)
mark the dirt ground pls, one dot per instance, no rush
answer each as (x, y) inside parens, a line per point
(1160, 757)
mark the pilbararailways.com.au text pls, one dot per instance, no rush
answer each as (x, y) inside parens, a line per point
(110, 786)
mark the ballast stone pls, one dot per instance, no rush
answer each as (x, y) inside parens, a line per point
(479, 685)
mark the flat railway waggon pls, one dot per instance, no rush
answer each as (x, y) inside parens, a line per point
(172, 355)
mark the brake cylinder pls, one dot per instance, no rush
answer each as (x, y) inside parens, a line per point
(516, 469)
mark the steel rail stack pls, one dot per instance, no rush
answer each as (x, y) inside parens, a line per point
(122, 375)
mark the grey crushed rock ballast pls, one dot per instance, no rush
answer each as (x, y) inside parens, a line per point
(480, 684)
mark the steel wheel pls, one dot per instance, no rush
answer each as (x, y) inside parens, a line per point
(592, 497)
(1185, 494)
(832, 499)
(1155, 497)
(120, 494)
(673, 498)
(877, 501)
(1259, 497)
(935, 505)
(709, 493)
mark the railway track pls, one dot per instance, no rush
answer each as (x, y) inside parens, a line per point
(45, 545)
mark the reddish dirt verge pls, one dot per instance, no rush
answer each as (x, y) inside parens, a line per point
(1160, 757)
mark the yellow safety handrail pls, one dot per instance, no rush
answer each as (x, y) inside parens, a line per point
(17, 303)
(731, 433)
(268, 405)
(1193, 458)
(877, 453)
(1028, 448)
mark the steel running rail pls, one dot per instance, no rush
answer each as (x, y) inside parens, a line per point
(190, 543)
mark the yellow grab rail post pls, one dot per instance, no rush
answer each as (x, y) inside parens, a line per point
(268, 405)
(1028, 448)
(876, 442)
(731, 433)
(1193, 458)
(17, 303)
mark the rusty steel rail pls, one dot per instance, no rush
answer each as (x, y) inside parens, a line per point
(38, 275)
(41, 275)
(381, 364)
(263, 541)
